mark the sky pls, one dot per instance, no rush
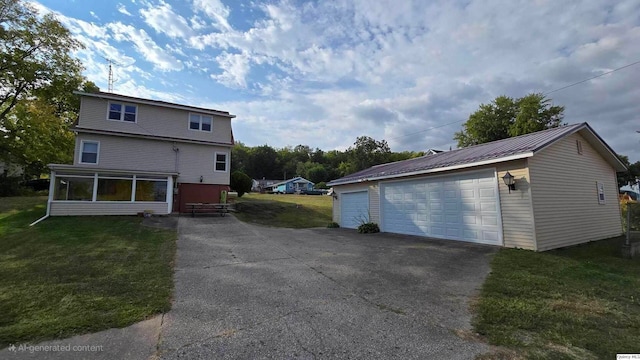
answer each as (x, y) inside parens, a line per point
(322, 73)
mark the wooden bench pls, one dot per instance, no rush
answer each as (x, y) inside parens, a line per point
(210, 208)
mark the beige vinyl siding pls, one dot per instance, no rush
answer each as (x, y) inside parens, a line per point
(565, 199)
(374, 211)
(516, 209)
(73, 208)
(152, 120)
(194, 160)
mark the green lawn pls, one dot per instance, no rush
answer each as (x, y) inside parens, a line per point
(290, 211)
(576, 303)
(73, 275)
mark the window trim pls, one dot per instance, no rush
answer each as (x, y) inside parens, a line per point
(199, 122)
(215, 161)
(124, 105)
(82, 142)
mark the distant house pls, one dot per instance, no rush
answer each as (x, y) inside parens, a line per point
(263, 185)
(632, 191)
(291, 186)
(135, 154)
(539, 191)
(433, 151)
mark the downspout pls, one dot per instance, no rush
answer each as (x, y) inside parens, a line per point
(174, 186)
(52, 182)
(176, 149)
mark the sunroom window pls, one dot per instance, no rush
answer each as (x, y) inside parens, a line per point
(73, 188)
(114, 189)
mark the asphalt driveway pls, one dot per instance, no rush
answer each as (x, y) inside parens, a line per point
(248, 292)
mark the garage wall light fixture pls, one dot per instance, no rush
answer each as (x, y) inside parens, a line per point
(510, 181)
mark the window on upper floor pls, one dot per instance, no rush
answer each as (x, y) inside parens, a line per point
(220, 162)
(200, 122)
(122, 112)
(89, 152)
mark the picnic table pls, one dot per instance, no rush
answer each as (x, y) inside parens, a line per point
(212, 208)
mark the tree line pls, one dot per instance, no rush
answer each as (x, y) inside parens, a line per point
(315, 165)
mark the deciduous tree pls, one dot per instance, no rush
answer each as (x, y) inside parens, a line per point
(505, 117)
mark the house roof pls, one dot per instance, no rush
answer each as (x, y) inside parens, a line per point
(136, 100)
(80, 129)
(66, 168)
(493, 152)
(297, 179)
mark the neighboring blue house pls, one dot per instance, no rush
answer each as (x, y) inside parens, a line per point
(292, 186)
(632, 190)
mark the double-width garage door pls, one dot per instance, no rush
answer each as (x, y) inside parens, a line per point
(459, 207)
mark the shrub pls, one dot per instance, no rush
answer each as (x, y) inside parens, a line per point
(321, 185)
(368, 228)
(634, 208)
(333, 225)
(11, 186)
(241, 182)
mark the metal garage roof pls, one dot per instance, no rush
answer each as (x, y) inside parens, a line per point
(493, 152)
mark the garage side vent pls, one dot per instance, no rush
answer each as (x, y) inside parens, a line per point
(579, 146)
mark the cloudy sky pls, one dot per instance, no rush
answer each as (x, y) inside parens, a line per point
(322, 73)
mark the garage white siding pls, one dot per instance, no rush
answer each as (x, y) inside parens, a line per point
(354, 209)
(459, 207)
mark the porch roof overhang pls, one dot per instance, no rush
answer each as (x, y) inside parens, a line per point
(65, 168)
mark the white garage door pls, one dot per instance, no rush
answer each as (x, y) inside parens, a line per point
(354, 209)
(459, 207)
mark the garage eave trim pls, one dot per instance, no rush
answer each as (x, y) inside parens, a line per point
(435, 170)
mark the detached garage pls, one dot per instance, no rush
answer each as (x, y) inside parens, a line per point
(563, 191)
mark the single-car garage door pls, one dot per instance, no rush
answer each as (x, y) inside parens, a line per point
(354, 209)
(459, 207)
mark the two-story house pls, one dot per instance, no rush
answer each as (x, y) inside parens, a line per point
(135, 154)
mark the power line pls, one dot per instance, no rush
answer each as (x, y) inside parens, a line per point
(545, 93)
(591, 78)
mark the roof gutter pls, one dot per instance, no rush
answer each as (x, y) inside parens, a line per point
(430, 171)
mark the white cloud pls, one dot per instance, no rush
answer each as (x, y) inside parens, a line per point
(145, 46)
(217, 12)
(197, 23)
(164, 20)
(235, 68)
(123, 10)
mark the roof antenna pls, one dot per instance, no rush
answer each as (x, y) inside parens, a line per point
(110, 80)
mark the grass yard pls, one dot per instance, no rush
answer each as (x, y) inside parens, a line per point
(73, 275)
(576, 303)
(290, 211)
